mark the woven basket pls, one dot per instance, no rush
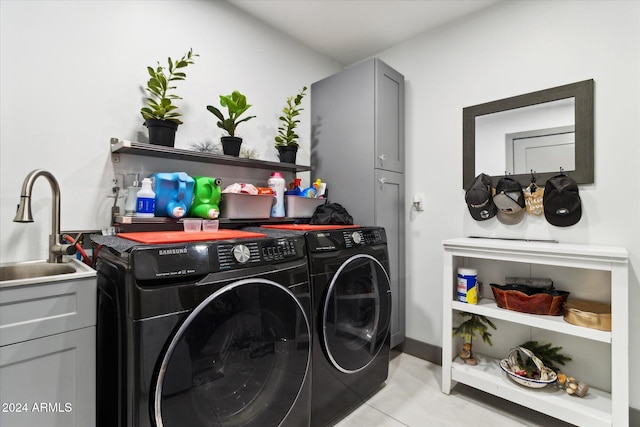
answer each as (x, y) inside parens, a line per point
(510, 366)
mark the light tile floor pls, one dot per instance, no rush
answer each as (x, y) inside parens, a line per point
(412, 397)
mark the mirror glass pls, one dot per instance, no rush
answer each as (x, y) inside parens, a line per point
(542, 132)
(516, 141)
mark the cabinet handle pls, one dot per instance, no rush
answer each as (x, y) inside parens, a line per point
(382, 157)
(383, 180)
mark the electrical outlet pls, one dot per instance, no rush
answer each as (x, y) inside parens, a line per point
(116, 188)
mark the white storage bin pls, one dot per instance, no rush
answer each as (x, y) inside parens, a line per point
(301, 207)
(246, 206)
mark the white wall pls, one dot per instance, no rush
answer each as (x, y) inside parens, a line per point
(506, 50)
(72, 76)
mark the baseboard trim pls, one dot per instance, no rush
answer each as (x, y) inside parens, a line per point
(422, 350)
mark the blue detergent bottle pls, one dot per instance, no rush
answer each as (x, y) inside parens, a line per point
(311, 192)
(174, 193)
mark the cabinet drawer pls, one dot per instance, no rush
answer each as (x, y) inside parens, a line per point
(34, 311)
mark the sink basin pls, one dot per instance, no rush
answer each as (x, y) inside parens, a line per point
(30, 272)
(22, 271)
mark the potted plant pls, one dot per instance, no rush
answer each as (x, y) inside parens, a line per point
(286, 140)
(161, 116)
(236, 105)
(475, 324)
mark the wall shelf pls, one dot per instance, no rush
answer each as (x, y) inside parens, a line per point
(131, 223)
(121, 146)
(598, 408)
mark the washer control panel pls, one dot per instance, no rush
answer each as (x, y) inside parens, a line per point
(256, 252)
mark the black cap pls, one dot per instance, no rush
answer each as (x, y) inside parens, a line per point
(509, 200)
(479, 198)
(562, 204)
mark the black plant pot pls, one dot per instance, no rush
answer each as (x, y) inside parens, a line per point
(287, 153)
(162, 132)
(231, 145)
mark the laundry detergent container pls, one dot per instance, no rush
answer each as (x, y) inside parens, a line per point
(206, 197)
(174, 193)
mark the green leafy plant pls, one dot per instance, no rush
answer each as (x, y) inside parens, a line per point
(547, 354)
(286, 132)
(159, 103)
(475, 325)
(236, 105)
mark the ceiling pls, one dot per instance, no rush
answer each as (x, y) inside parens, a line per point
(351, 30)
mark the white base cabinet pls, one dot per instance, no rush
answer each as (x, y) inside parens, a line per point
(588, 272)
(48, 354)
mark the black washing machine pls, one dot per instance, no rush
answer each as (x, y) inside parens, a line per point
(204, 334)
(351, 297)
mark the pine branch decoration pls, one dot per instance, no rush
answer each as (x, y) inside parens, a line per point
(549, 356)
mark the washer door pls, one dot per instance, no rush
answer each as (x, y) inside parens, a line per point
(240, 358)
(356, 313)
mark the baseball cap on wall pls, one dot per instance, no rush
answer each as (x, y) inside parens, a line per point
(479, 198)
(561, 201)
(509, 199)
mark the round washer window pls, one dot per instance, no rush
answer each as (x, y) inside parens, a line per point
(238, 359)
(356, 313)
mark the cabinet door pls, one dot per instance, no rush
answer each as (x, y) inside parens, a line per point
(389, 118)
(50, 381)
(389, 213)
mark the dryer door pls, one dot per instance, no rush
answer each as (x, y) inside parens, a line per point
(356, 313)
(240, 358)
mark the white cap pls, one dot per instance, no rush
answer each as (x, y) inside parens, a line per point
(467, 272)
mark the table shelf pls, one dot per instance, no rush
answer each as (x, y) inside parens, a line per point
(597, 407)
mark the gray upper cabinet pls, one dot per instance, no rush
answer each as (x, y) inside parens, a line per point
(357, 148)
(359, 114)
(389, 113)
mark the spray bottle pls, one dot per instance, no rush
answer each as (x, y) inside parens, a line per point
(294, 188)
(131, 202)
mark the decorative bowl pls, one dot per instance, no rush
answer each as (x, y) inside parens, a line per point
(510, 367)
(526, 299)
(590, 314)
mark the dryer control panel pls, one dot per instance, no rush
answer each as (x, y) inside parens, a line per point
(334, 240)
(370, 236)
(238, 254)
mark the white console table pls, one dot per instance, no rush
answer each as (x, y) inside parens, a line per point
(489, 256)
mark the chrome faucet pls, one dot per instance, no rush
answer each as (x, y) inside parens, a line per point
(56, 249)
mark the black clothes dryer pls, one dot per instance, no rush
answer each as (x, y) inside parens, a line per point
(204, 334)
(351, 297)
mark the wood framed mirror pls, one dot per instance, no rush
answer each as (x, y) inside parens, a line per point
(540, 132)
